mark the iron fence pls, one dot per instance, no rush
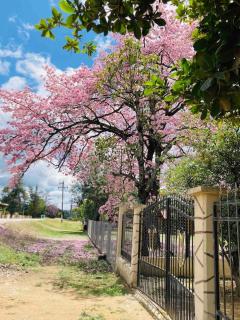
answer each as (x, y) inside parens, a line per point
(227, 256)
(127, 231)
(103, 235)
(166, 255)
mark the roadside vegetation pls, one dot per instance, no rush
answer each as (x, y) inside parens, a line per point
(86, 316)
(50, 228)
(91, 278)
(11, 257)
(23, 245)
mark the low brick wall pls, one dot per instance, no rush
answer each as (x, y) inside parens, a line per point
(123, 269)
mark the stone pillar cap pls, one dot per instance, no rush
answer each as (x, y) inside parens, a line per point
(204, 189)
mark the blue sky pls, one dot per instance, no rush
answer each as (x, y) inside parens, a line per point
(18, 18)
(23, 54)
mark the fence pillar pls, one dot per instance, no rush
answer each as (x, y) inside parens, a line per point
(204, 289)
(122, 209)
(135, 244)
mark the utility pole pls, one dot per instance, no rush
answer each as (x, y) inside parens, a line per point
(71, 206)
(62, 188)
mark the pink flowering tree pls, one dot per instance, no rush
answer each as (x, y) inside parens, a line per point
(112, 101)
(52, 211)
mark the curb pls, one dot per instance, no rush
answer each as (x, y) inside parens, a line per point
(157, 312)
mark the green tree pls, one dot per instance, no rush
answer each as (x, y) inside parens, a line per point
(212, 77)
(15, 198)
(101, 17)
(76, 215)
(36, 205)
(215, 160)
(188, 173)
(91, 194)
(90, 198)
(88, 210)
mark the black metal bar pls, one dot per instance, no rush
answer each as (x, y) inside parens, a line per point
(139, 248)
(167, 253)
(216, 261)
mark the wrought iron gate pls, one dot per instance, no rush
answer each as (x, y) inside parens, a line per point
(227, 256)
(165, 271)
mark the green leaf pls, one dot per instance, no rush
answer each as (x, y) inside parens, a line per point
(204, 114)
(48, 34)
(160, 22)
(117, 26)
(185, 65)
(55, 13)
(145, 28)
(214, 111)
(137, 31)
(181, 10)
(66, 7)
(178, 86)
(201, 44)
(169, 98)
(148, 91)
(71, 45)
(70, 20)
(149, 83)
(194, 109)
(89, 48)
(154, 78)
(42, 25)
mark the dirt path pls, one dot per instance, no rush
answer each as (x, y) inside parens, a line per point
(32, 296)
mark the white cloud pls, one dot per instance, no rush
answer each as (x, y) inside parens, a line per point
(33, 66)
(11, 52)
(104, 43)
(23, 34)
(23, 28)
(48, 180)
(12, 19)
(28, 26)
(4, 67)
(15, 83)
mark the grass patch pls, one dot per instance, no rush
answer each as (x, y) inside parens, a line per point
(91, 279)
(88, 247)
(9, 256)
(86, 316)
(50, 228)
(93, 266)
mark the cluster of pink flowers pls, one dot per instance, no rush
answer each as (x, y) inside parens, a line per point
(62, 126)
(53, 250)
(50, 251)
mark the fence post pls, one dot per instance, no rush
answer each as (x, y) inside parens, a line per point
(135, 244)
(204, 289)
